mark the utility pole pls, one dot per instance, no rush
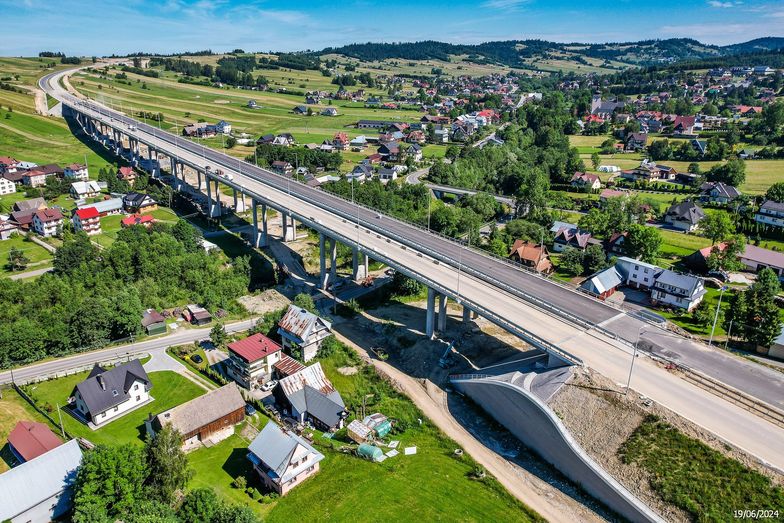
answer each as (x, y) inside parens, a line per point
(60, 415)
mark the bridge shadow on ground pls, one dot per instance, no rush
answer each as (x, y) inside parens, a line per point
(397, 328)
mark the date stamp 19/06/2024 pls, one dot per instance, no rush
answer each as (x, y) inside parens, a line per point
(756, 514)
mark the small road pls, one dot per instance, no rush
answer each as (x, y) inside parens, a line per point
(30, 274)
(156, 347)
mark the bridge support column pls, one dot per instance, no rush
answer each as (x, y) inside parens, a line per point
(256, 240)
(431, 313)
(172, 166)
(442, 299)
(198, 179)
(322, 261)
(359, 264)
(215, 209)
(264, 237)
(333, 262)
(289, 229)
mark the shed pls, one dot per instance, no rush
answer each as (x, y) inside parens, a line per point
(379, 423)
(603, 283)
(370, 452)
(359, 432)
(153, 322)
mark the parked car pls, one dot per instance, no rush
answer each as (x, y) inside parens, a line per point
(269, 385)
(196, 358)
(250, 410)
(719, 275)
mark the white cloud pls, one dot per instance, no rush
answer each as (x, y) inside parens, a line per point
(507, 5)
(722, 5)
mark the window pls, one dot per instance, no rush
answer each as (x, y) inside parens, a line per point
(138, 398)
(136, 387)
(115, 393)
(636, 267)
(645, 279)
(645, 271)
(103, 414)
(116, 409)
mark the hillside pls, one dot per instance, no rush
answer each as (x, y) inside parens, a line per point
(544, 55)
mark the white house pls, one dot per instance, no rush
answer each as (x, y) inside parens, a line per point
(637, 273)
(251, 360)
(87, 219)
(108, 394)
(303, 329)
(47, 222)
(223, 127)
(76, 171)
(41, 489)
(7, 187)
(770, 213)
(282, 459)
(681, 291)
(82, 189)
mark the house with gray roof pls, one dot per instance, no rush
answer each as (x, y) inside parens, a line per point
(106, 207)
(603, 283)
(308, 395)
(681, 291)
(684, 216)
(108, 394)
(303, 329)
(770, 213)
(282, 459)
(718, 192)
(41, 489)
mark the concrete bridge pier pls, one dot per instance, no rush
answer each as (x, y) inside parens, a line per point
(359, 265)
(259, 237)
(431, 313)
(442, 299)
(179, 185)
(289, 229)
(333, 261)
(198, 180)
(215, 204)
(322, 261)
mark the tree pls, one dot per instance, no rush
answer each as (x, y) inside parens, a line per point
(218, 335)
(596, 221)
(725, 257)
(77, 251)
(763, 322)
(188, 235)
(717, 226)
(230, 142)
(167, 464)
(643, 243)
(595, 161)
(732, 173)
(17, 259)
(594, 259)
(304, 301)
(109, 483)
(775, 192)
(572, 262)
(703, 315)
(402, 285)
(660, 150)
(199, 506)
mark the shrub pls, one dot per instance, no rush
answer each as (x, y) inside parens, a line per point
(239, 482)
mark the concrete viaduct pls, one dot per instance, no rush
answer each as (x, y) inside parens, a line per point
(570, 327)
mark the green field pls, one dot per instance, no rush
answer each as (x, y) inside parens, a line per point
(696, 478)
(168, 388)
(38, 255)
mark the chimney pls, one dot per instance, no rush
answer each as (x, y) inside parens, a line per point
(99, 377)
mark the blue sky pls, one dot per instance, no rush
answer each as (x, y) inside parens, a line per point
(99, 27)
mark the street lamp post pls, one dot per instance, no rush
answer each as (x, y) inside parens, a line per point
(634, 357)
(716, 316)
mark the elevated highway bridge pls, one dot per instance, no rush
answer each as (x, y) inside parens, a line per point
(570, 327)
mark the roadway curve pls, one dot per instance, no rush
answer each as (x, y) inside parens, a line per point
(518, 300)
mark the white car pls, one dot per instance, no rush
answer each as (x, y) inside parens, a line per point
(269, 385)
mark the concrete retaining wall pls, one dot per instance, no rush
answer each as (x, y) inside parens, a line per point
(537, 426)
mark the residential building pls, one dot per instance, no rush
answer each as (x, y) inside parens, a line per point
(153, 322)
(304, 330)
(223, 127)
(636, 142)
(47, 222)
(127, 174)
(108, 394)
(77, 171)
(649, 171)
(30, 439)
(770, 213)
(88, 189)
(340, 141)
(615, 244)
(414, 151)
(206, 419)
(7, 187)
(308, 395)
(329, 111)
(136, 202)
(34, 178)
(282, 167)
(106, 207)
(756, 258)
(360, 173)
(374, 124)
(602, 284)
(681, 291)
(360, 142)
(572, 237)
(41, 489)
(684, 216)
(531, 255)
(636, 273)
(282, 459)
(88, 220)
(385, 174)
(606, 194)
(390, 151)
(145, 220)
(251, 360)
(683, 126)
(718, 192)
(585, 181)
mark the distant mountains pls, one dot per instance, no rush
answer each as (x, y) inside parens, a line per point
(526, 53)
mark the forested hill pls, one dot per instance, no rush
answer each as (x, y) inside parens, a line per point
(518, 53)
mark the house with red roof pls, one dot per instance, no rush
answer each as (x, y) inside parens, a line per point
(340, 141)
(47, 222)
(586, 181)
(87, 219)
(127, 174)
(251, 360)
(145, 220)
(30, 439)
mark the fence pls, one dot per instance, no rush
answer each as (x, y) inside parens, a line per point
(41, 411)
